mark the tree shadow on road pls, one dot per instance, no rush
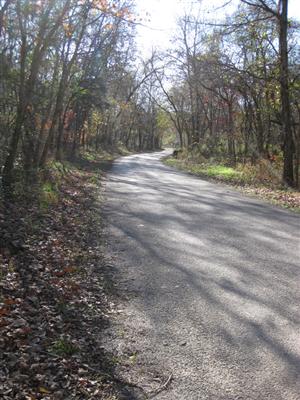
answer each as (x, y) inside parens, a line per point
(240, 274)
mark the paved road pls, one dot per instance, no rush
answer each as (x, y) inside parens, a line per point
(212, 279)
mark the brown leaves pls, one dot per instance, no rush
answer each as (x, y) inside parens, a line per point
(285, 198)
(52, 298)
(44, 390)
(11, 302)
(4, 311)
(69, 30)
(65, 271)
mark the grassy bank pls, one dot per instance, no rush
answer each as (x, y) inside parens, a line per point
(262, 180)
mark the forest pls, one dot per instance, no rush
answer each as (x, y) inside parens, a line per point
(68, 82)
(71, 79)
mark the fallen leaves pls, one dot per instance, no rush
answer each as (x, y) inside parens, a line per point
(44, 390)
(53, 305)
(4, 311)
(285, 198)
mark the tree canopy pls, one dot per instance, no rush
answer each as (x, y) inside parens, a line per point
(71, 79)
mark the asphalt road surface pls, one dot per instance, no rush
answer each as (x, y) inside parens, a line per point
(212, 284)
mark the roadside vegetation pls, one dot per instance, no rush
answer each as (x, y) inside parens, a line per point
(262, 179)
(237, 93)
(55, 288)
(235, 106)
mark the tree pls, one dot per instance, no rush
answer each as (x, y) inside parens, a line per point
(66, 66)
(279, 11)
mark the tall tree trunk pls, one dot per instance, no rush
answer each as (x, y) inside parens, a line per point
(288, 146)
(231, 141)
(21, 109)
(13, 149)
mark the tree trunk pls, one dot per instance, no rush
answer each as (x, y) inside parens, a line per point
(13, 149)
(288, 146)
(231, 141)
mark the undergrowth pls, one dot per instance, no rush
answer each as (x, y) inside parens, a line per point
(262, 179)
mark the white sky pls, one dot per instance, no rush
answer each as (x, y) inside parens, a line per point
(160, 16)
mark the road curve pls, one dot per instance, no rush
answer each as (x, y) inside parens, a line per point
(212, 285)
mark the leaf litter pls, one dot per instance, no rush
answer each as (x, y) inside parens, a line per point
(54, 303)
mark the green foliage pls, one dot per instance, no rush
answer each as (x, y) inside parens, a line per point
(262, 180)
(59, 168)
(63, 347)
(48, 195)
(133, 358)
(220, 172)
(263, 172)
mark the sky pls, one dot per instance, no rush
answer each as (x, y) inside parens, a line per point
(160, 17)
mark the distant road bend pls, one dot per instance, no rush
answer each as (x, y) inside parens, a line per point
(216, 281)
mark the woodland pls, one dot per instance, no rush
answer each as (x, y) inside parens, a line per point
(75, 94)
(71, 80)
